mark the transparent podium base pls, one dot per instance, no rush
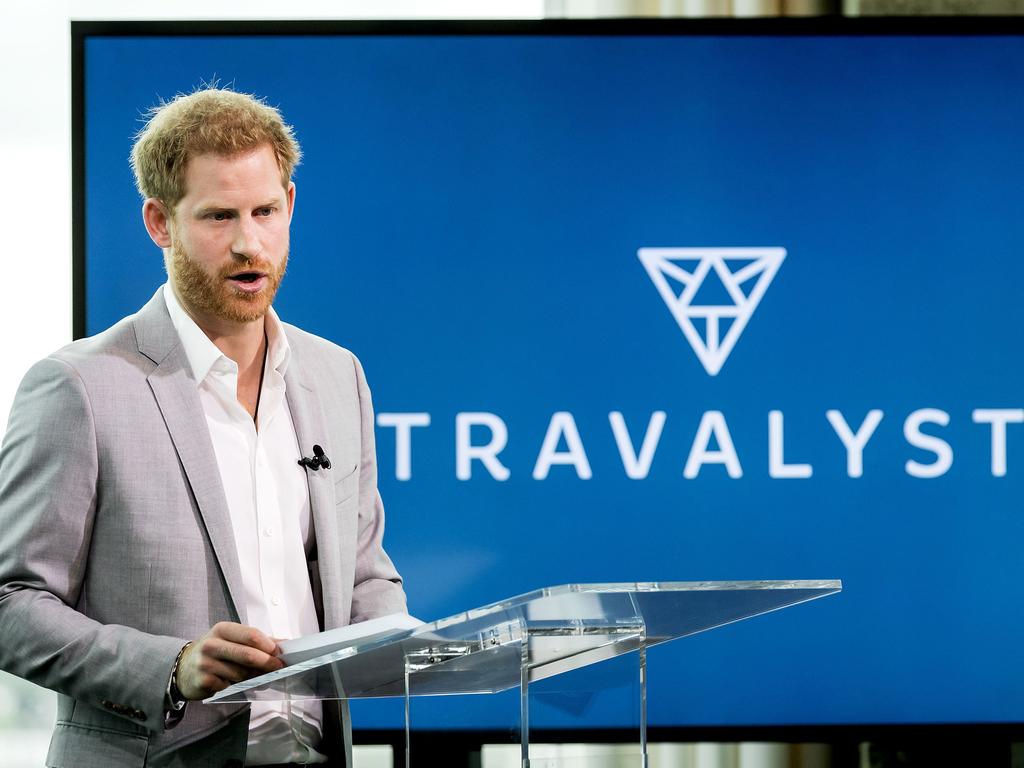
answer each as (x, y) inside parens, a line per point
(538, 648)
(612, 694)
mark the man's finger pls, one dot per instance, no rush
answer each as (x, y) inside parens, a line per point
(228, 672)
(243, 635)
(242, 655)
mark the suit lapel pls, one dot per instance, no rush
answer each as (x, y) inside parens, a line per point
(178, 399)
(311, 428)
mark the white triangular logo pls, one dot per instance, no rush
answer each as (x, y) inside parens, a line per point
(742, 276)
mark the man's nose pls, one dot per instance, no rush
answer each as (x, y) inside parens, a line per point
(248, 243)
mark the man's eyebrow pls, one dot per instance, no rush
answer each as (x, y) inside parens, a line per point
(212, 208)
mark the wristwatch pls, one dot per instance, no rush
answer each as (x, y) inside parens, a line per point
(174, 702)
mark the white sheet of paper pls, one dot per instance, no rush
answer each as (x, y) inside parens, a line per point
(311, 646)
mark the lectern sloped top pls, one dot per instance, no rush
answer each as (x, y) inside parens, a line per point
(548, 631)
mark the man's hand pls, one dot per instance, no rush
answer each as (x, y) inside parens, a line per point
(228, 653)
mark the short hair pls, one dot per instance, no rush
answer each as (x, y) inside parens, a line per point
(212, 120)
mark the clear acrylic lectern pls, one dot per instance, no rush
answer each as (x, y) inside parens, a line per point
(525, 639)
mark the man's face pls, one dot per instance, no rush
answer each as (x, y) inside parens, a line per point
(229, 237)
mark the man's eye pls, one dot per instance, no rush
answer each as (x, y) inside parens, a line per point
(264, 211)
(220, 216)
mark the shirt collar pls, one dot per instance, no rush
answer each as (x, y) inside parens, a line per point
(203, 354)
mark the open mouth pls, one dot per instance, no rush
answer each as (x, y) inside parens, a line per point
(247, 277)
(250, 282)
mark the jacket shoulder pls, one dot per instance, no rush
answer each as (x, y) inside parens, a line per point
(305, 340)
(312, 351)
(103, 353)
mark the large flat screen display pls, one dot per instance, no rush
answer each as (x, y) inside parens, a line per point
(646, 302)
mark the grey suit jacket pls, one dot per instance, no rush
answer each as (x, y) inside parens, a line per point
(116, 546)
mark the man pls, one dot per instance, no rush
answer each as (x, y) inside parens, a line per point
(158, 533)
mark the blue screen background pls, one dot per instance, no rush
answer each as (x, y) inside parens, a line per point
(468, 216)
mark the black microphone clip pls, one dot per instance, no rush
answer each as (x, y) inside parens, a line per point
(319, 460)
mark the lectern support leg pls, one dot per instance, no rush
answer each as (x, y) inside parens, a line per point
(408, 745)
(524, 703)
(643, 703)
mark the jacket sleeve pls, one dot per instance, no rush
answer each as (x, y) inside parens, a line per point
(50, 494)
(377, 590)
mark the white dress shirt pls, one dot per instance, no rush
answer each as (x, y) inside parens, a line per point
(268, 500)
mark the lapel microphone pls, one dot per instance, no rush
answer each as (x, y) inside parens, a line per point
(319, 460)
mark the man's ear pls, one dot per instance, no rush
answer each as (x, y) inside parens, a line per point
(291, 200)
(158, 221)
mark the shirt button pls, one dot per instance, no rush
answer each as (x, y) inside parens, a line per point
(275, 600)
(268, 531)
